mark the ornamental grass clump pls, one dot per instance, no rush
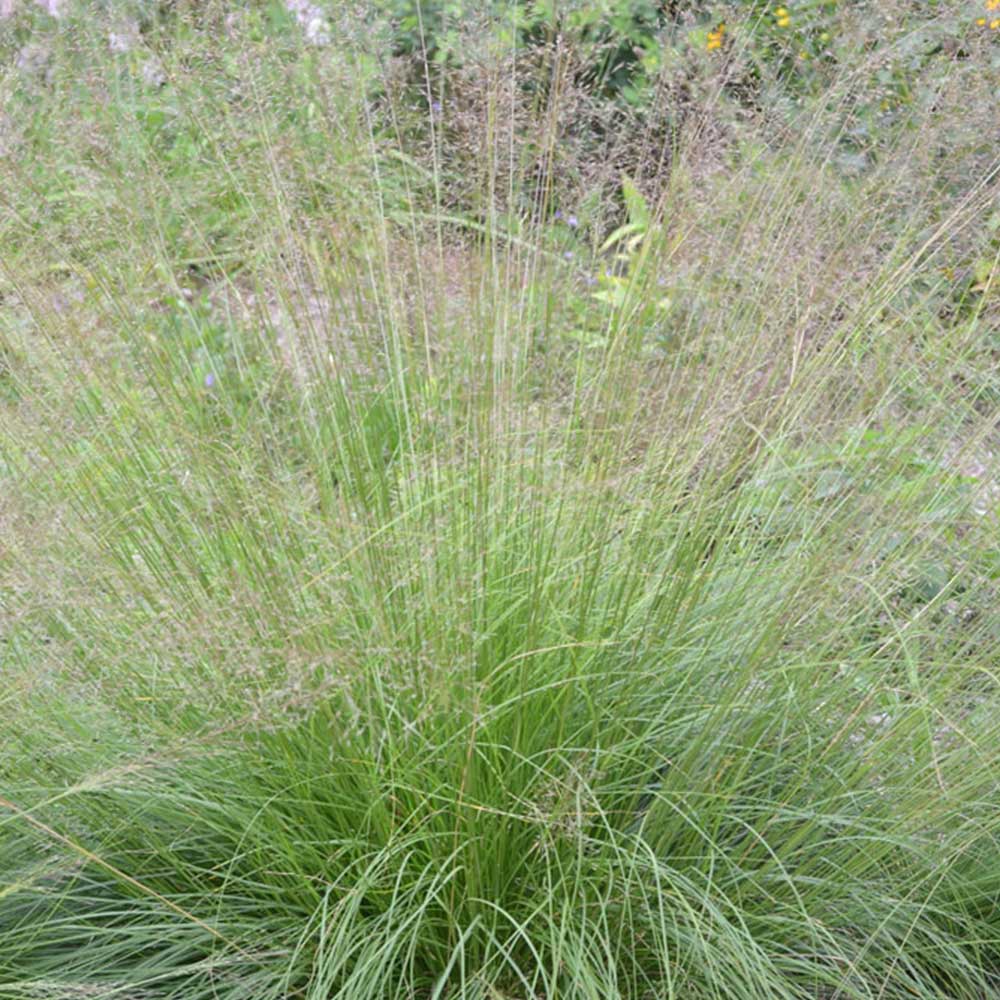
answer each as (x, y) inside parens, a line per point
(391, 608)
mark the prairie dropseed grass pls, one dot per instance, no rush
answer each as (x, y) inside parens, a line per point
(392, 607)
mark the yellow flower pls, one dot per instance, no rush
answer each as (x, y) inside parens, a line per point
(715, 38)
(784, 22)
(981, 22)
(992, 4)
(995, 24)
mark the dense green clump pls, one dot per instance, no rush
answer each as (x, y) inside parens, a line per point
(441, 557)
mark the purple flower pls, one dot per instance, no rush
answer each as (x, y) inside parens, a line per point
(436, 107)
(572, 222)
(590, 280)
(568, 254)
(557, 215)
(209, 380)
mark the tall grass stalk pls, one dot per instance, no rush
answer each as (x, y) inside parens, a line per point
(385, 615)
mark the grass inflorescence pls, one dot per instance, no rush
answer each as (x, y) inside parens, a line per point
(462, 536)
